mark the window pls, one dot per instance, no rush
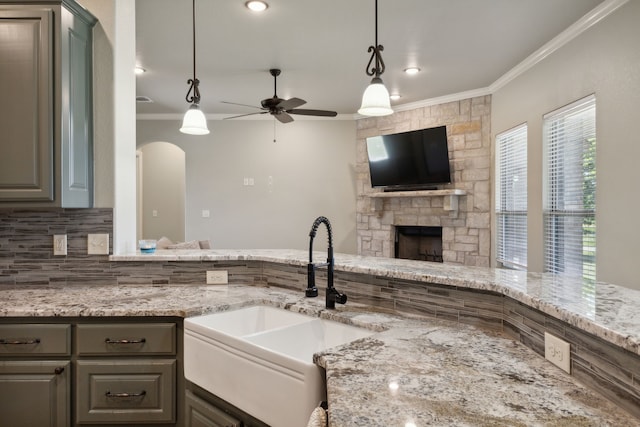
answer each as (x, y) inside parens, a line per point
(569, 136)
(511, 198)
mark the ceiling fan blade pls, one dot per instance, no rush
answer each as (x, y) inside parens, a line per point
(244, 115)
(243, 105)
(291, 103)
(324, 113)
(283, 117)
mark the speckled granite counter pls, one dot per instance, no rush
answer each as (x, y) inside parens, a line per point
(415, 370)
(604, 310)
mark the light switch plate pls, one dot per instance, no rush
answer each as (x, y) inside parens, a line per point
(60, 244)
(98, 244)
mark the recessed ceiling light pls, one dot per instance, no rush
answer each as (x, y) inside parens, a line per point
(394, 96)
(412, 70)
(256, 5)
(140, 70)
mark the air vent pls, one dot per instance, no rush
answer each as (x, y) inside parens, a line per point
(144, 99)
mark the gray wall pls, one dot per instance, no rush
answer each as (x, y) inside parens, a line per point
(604, 60)
(309, 171)
(163, 190)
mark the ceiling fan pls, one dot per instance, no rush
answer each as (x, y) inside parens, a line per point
(280, 108)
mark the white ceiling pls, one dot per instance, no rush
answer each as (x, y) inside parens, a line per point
(321, 47)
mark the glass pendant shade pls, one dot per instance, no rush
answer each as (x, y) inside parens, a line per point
(194, 122)
(375, 100)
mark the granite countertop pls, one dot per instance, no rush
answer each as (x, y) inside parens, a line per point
(602, 309)
(413, 371)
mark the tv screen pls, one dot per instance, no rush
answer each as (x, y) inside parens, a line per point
(409, 160)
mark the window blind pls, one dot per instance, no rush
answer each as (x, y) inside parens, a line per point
(570, 184)
(511, 198)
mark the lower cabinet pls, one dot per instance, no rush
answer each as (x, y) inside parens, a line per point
(34, 393)
(103, 372)
(203, 409)
(200, 413)
(35, 372)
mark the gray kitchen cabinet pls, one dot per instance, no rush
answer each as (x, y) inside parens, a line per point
(201, 413)
(46, 119)
(106, 371)
(34, 393)
(118, 380)
(35, 374)
(204, 409)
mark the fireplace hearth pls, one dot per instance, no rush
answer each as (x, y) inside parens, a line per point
(418, 243)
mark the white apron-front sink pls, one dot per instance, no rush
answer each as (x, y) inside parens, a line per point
(260, 359)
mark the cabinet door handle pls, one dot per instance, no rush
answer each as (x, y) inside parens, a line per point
(125, 395)
(27, 341)
(58, 370)
(125, 341)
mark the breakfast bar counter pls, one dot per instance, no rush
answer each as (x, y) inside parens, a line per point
(415, 370)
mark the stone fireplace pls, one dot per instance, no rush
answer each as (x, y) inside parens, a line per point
(461, 209)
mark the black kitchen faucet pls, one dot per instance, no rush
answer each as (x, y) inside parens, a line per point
(332, 295)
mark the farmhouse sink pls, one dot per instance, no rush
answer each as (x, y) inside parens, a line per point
(260, 359)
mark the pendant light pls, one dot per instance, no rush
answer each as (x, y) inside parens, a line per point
(375, 100)
(194, 122)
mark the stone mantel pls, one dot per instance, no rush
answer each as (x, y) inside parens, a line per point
(450, 197)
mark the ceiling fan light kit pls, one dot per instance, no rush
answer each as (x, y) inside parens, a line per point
(194, 122)
(375, 100)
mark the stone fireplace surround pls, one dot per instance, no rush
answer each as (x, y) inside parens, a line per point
(466, 236)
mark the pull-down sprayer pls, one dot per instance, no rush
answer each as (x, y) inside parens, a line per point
(332, 295)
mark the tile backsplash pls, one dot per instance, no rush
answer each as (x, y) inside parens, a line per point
(26, 246)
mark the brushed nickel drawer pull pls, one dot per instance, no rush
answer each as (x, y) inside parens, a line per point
(20, 342)
(58, 370)
(125, 341)
(125, 395)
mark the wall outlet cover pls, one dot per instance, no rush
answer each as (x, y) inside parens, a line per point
(557, 352)
(60, 244)
(217, 277)
(98, 244)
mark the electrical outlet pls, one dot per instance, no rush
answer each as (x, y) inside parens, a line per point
(557, 352)
(98, 244)
(60, 244)
(217, 277)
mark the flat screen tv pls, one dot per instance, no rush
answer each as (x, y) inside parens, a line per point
(412, 160)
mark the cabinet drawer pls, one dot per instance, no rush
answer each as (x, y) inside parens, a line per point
(35, 340)
(126, 391)
(126, 339)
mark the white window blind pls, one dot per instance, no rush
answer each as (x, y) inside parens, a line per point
(511, 198)
(570, 190)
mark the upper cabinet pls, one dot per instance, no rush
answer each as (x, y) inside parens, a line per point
(46, 107)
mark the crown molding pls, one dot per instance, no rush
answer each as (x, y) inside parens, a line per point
(590, 19)
(596, 15)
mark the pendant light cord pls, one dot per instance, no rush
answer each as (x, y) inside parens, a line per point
(195, 98)
(376, 57)
(193, 17)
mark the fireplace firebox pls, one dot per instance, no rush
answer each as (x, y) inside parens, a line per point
(418, 243)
